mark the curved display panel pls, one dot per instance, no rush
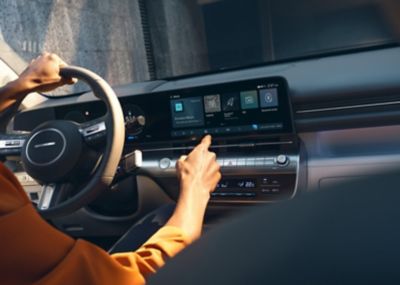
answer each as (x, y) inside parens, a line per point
(250, 108)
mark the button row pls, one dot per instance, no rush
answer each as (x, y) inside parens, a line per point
(270, 190)
(227, 130)
(11, 143)
(249, 161)
(166, 163)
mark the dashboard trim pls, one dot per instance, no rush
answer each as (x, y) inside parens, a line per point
(218, 146)
(358, 106)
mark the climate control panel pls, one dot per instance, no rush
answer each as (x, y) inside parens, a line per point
(245, 179)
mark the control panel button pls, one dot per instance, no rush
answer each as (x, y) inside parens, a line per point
(250, 161)
(241, 162)
(281, 159)
(270, 190)
(230, 162)
(165, 163)
(259, 161)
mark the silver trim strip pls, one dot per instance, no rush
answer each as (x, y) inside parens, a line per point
(44, 144)
(348, 107)
(218, 146)
(47, 195)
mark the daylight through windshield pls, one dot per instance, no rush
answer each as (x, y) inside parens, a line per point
(132, 41)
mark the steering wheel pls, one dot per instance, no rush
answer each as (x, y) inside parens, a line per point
(62, 154)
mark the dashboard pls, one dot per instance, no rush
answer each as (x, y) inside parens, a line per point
(251, 108)
(251, 123)
(329, 125)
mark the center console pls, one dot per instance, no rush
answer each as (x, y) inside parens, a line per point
(251, 124)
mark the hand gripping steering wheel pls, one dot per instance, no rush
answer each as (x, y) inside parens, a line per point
(61, 156)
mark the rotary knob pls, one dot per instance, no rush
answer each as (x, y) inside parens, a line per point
(281, 160)
(165, 163)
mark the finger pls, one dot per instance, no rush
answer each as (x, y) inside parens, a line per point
(72, 80)
(213, 156)
(181, 159)
(206, 142)
(54, 57)
(214, 168)
(66, 80)
(214, 181)
(69, 80)
(62, 63)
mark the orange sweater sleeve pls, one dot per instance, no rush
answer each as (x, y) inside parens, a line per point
(33, 252)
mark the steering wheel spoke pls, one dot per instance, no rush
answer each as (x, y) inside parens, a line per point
(94, 132)
(11, 144)
(54, 194)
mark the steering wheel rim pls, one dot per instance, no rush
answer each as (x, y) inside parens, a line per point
(105, 171)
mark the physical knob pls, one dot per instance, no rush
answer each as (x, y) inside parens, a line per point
(282, 159)
(165, 163)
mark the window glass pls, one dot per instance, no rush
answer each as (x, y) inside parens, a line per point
(128, 41)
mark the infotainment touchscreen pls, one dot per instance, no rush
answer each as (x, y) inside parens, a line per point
(245, 108)
(257, 107)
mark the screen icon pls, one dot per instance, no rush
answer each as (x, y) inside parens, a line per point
(178, 107)
(268, 97)
(248, 99)
(212, 104)
(230, 102)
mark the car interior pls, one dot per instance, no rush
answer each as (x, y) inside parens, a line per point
(100, 161)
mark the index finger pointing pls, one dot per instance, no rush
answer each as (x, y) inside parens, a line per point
(206, 142)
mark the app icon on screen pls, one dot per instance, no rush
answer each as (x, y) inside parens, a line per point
(230, 102)
(248, 99)
(178, 107)
(212, 104)
(268, 97)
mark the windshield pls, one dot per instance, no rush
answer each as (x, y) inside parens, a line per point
(133, 41)
(212, 35)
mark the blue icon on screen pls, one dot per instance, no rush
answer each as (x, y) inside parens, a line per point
(178, 107)
(254, 126)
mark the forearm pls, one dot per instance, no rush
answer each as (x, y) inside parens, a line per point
(11, 93)
(189, 213)
(42, 75)
(198, 174)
